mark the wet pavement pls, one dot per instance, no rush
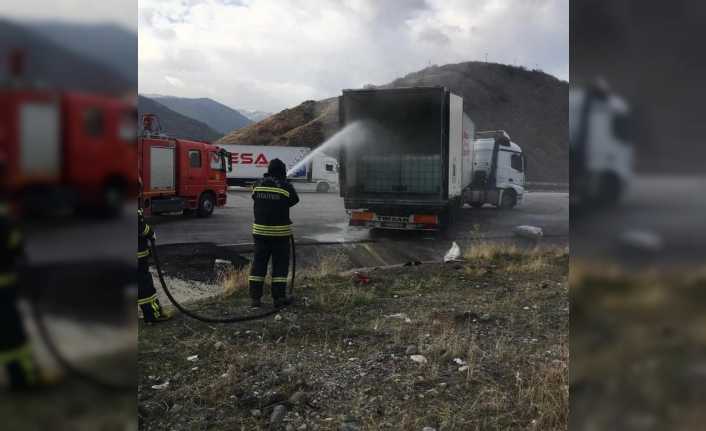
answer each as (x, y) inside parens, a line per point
(660, 223)
(321, 228)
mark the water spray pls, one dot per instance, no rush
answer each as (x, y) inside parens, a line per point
(351, 134)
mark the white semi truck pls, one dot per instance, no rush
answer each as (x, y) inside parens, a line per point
(601, 154)
(413, 166)
(497, 175)
(250, 163)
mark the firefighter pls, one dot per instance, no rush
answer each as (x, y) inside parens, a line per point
(15, 353)
(146, 293)
(273, 195)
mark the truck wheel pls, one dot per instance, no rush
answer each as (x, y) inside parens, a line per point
(476, 204)
(206, 205)
(609, 190)
(322, 187)
(509, 200)
(112, 200)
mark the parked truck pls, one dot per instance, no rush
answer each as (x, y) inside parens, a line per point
(67, 150)
(178, 175)
(497, 174)
(250, 163)
(601, 154)
(411, 166)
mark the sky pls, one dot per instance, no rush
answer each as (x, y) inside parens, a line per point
(119, 12)
(273, 54)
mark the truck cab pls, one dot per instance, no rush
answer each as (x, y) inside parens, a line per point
(68, 149)
(179, 175)
(601, 155)
(497, 171)
(324, 173)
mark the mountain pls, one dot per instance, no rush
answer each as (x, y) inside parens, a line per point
(107, 44)
(531, 106)
(50, 64)
(216, 115)
(254, 115)
(175, 124)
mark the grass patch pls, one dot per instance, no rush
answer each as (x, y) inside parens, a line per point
(236, 281)
(637, 343)
(346, 346)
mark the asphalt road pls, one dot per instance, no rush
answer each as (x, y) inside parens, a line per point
(321, 218)
(661, 223)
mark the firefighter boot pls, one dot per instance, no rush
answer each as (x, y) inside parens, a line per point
(279, 295)
(153, 311)
(256, 290)
(21, 370)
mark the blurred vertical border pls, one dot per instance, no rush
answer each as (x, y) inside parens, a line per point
(638, 238)
(68, 91)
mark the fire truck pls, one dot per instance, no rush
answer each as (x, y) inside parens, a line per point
(67, 149)
(179, 175)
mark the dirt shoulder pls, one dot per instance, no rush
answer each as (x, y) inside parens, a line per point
(68, 406)
(638, 347)
(491, 335)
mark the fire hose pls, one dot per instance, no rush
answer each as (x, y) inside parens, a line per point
(106, 384)
(64, 362)
(232, 319)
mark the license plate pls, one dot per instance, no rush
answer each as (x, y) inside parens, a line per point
(393, 224)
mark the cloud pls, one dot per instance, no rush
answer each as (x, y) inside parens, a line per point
(174, 82)
(273, 54)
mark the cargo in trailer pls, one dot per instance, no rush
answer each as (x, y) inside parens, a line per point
(414, 161)
(406, 170)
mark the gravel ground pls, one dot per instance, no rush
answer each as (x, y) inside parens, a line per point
(480, 344)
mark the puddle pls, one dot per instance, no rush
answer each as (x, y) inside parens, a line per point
(341, 232)
(196, 261)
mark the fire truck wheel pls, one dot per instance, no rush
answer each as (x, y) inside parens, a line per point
(206, 205)
(322, 187)
(112, 200)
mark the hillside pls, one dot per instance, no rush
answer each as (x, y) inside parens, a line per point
(217, 116)
(48, 63)
(108, 44)
(175, 124)
(531, 105)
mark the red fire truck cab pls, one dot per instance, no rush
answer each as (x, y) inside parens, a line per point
(179, 175)
(68, 149)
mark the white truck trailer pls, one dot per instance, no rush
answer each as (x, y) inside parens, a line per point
(413, 169)
(250, 163)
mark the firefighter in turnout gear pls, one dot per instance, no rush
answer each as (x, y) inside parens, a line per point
(15, 354)
(273, 195)
(146, 293)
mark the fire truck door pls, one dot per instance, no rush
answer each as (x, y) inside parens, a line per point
(194, 172)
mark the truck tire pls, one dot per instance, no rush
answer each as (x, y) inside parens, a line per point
(509, 200)
(322, 187)
(206, 205)
(609, 190)
(112, 199)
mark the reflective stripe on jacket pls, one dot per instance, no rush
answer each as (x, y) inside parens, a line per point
(144, 234)
(272, 199)
(264, 230)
